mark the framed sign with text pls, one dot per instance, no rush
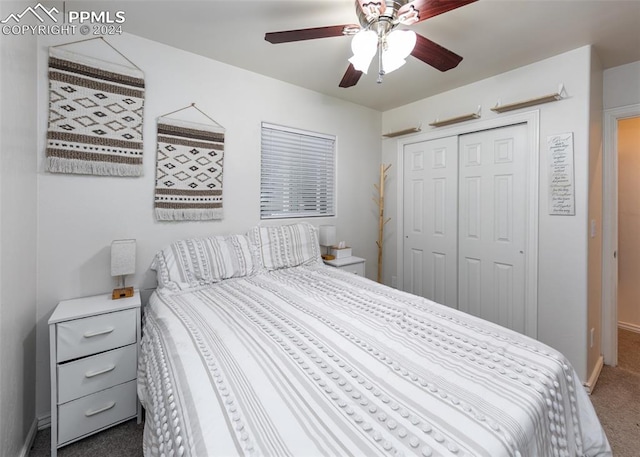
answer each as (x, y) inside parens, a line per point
(561, 175)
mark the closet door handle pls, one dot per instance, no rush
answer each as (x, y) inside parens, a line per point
(100, 410)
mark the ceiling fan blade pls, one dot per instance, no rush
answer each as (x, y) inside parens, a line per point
(351, 77)
(429, 8)
(288, 36)
(435, 55)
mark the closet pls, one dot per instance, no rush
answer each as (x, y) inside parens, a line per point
(465, 222)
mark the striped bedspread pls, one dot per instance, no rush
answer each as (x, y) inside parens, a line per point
(313, 361)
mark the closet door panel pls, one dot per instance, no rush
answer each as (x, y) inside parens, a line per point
(492, 225)
(430, 219)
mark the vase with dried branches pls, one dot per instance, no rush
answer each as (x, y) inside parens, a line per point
(381, 219)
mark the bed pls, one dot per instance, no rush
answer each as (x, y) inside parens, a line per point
(251, 346)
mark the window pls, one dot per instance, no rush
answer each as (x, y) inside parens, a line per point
(297, 173)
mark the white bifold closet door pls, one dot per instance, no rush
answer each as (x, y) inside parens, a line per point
(464, 223)
(431, 220)
(491, 225)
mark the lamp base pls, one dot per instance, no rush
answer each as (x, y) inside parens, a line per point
(125, 292)
(328, 257)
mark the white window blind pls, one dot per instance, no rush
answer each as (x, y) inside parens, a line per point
(297, 173)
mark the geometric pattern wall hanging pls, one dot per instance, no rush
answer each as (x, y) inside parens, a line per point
(95, 116)
(188, 171)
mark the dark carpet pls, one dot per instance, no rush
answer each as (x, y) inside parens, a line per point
(123, 440)
(616, 397)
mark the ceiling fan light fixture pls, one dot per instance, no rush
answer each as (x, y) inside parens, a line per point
(398, 46)
(391, 63)
(364, 46)
(376, 34)
(401, 42)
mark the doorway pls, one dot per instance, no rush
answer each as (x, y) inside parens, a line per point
(436, 273)
(629, 223)
(618, 240)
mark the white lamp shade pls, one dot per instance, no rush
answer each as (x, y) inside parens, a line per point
(391, 63)
(364, 46)
(123, 257)
(327, 235)
(400, 43)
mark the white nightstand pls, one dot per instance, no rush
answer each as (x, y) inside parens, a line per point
(351, 264)
(94, 344)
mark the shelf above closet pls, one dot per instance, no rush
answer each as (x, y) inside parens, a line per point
(455, 120)
(402, 132)
(531, 102)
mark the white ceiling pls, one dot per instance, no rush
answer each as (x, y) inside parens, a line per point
(493, 36)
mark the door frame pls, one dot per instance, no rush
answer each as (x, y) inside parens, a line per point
(532, 120)
(610, 229)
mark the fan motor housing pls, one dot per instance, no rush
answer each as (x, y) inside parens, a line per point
(388, 19)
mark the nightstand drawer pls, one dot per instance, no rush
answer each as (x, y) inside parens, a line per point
(353, 264)
(93, 412)
(91, 374)
(90, 335)
(356, 268)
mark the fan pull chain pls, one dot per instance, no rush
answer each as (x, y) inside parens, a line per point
(380, 69)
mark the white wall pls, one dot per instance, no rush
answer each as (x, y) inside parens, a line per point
(629, 221)
(79, 216)
(594, 245)
(17, 238)
(622, 85)
(562, 290)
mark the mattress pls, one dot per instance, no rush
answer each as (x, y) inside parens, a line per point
(314, 361)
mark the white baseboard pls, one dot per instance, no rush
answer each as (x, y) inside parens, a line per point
(31, 436)
(627, 326)
(595, 374)
(44, 422)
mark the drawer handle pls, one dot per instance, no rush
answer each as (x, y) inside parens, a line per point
(91, 374)
(101, 410)
(99, 332)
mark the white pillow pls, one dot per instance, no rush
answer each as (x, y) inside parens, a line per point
(198, 262)
(286, 246)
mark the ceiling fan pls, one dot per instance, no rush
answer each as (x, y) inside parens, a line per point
(378, 33)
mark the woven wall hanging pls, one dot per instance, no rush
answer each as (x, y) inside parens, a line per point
(95, 115)
(189, 169)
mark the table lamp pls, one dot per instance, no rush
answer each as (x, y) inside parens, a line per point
(123, 262)
(327, 238)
